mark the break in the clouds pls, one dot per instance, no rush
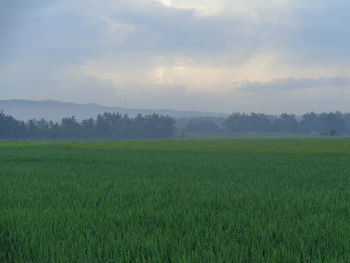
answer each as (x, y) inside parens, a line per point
(217, 55)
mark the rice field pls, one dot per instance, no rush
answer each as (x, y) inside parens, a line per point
(221, 200)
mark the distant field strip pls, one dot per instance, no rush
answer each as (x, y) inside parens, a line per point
(220, 200)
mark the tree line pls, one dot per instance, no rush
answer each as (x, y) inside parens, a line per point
(333, 123)
(104, 126)
(121, 126)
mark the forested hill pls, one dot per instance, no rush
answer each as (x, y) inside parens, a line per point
(56, 111)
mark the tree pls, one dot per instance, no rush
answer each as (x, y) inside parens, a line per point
(10, 128)
(332, 133)
(286, 123)
(242, 122)
(198, 125)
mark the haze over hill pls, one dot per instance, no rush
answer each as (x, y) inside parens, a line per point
(56, 110)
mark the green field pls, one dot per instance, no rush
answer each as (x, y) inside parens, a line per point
(224, 200)
(236, 135)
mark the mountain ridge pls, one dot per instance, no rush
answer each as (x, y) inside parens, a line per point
(54, 110)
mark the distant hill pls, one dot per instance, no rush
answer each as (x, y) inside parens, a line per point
(56, 110)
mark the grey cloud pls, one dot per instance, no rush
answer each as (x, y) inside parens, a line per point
(315, 95)
(294, 95)
(309, 34)
(160, 29)
(44, 43)
(315, 32)
(278, 86)
(65, 86)
(47, 39)
(319, 28)
(172, 97)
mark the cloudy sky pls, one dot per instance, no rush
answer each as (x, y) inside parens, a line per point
(269, 56)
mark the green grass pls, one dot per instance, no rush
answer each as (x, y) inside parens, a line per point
(225, 135)
(229, 200)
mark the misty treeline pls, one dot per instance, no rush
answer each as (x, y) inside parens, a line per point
(119, 126)
(105, 126)
(333, 123)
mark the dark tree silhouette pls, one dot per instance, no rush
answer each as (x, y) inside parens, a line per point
(310, 123)
(105, 126)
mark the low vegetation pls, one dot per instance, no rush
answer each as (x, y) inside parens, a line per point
(233, 200)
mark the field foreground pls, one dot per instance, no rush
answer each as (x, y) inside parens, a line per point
(227, 200)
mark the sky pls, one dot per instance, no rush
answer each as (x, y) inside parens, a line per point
(269, 56)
